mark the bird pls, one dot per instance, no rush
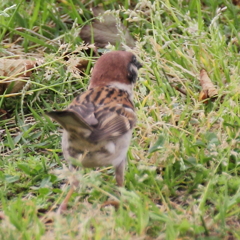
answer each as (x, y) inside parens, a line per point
(98, 124)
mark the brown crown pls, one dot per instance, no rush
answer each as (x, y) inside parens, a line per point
(113, 67)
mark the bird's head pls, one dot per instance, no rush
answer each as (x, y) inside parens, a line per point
(117, 69)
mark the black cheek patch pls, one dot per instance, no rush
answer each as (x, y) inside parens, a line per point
(132, 74)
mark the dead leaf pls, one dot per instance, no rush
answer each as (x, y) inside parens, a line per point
(81, 65)
(109, 30)
(236, 2)
(15, 71)
(2, 216)
(4, 114)
(75, 64)
(202, 95)
(208, 89)
(113, 203)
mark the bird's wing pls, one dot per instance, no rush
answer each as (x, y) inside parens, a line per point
(101, 113)
(72, 122)
(114, 113)
(113, 122)
(68, 118)
(78, 118)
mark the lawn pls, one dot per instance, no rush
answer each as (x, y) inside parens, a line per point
(182, 179)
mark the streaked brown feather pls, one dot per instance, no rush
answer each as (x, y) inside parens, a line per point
(110, 127)
(69, 118)
(107, 117)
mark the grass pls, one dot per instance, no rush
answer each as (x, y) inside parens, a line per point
(182, 180)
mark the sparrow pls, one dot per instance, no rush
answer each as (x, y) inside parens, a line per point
(99, 122)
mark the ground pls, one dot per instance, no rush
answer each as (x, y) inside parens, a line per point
(182, 179)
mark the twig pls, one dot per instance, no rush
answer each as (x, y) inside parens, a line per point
(172, 85)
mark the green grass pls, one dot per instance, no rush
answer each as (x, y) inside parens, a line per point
(182, 179)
